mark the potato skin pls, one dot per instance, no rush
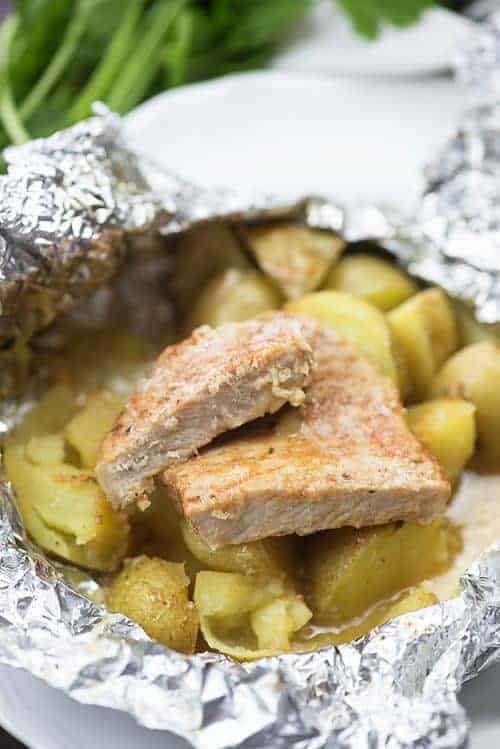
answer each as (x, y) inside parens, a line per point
(154, 593)
(378, 281)
(473, 374)
(447, 427)
(355, 320)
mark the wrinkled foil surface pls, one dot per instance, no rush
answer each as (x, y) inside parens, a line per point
(73, 208)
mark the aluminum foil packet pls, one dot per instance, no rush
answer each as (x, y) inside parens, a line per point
(76, 208)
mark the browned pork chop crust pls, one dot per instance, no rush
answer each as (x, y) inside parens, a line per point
(345, 457)
(212, 382)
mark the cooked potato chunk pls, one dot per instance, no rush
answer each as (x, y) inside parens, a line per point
(272, 555)
(447, 427)
(203, 252)
(474, 374)
(63, 507)
(158, 533)
(54, 409)
(276, 622)
(470, 330)
(154, 593)
(233, 296)
(46, 449)
(351, 570)
(296, 257)
(355, 320)
(425, 332)
(66, 512)
(248, 616)
(378, 281)
(89, 425)
(229, 593)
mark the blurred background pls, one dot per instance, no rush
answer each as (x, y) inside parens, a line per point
(58, 56)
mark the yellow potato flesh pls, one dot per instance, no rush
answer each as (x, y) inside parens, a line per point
(296, 257)
(425, 333)
(276, 622)
(355, 320)
(230, 593)
(248, 616)
(66, 512)
(377, 281)
(474, 375)
(46, 449)
(154, 593)
(63, 507)
(447, 427)
(89, 425)
(232, 297)
(272, 555)
(351, 571)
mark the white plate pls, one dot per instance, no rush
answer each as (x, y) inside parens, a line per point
(356, 140)
(351, 139)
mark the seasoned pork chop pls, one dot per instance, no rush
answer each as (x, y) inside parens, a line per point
(214, 381)
(345, 457)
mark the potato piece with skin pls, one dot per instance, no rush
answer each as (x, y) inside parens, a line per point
(378, 281)
(229, 593)
(88, 427)
(473, 374)
(200, 254)
(447, 427)
(425, 331)
(470, 330)
(248, 616)
(154, 593)
(233, 296)
(355, 320)
(160, 528)
(351, 571)
(296, 257)
(65, 511)
(271, 555)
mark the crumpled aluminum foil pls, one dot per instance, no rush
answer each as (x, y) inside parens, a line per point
(71, 207)
(71, 211)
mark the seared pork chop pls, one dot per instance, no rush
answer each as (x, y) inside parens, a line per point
(345, 457)
(213, 381)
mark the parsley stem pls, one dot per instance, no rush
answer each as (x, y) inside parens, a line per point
(9, 115)
(105, 73)
(59, 63)
(141, 69)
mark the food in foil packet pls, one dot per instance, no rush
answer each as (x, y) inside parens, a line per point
(275, 465)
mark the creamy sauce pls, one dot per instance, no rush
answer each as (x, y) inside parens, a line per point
(476, 509)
